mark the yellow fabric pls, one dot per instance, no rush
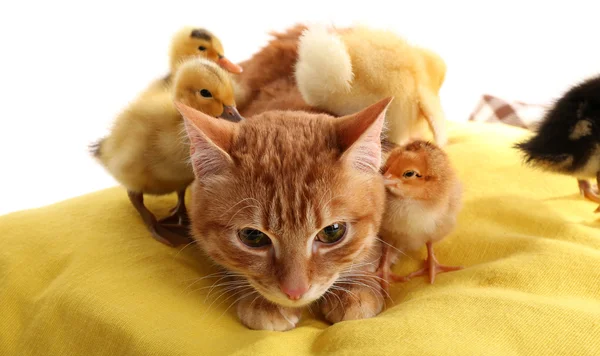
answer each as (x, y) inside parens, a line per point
(83, 277)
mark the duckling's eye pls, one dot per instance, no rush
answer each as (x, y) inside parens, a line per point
(253, 238)
(205, 93)
(332, 233)
(202, 48)
(409, 174)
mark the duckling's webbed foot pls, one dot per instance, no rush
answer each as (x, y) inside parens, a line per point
(179, 215)
(164, 234)
(588, 191)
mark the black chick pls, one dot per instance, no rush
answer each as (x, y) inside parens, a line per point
(567, 140)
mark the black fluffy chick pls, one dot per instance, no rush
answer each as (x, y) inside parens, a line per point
(567, 140)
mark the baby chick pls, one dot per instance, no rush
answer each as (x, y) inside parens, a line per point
(340, 71)
(423, 200)
(147, 151)
(567, 140)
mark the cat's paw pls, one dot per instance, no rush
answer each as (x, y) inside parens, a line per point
(355, 302)
(260, 314)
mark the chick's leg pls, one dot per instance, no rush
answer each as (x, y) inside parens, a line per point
(432, 267)
(160, 233)
(179, 214)
(384, 271)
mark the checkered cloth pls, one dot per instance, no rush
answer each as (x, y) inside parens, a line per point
(515, 113)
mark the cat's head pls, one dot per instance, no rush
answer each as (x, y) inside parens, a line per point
(288, 199)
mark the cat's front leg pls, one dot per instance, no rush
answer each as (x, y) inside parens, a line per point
(352, 299)
(260, 314)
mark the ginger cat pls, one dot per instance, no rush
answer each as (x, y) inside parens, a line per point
(292, 201)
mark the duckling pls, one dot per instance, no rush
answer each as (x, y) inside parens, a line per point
(342, 70)
(567, 139)
(190, 42)
(147, 151)
(197, 42)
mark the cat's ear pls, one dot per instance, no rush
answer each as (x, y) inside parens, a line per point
(210, 140)
(359, 136)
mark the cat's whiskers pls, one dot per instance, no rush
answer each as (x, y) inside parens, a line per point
(328, 191)
(239, 289)
(239, 202)
(363, 280)
(212, 275)
(340, 304)
(350, 293)
(354, 266)
(346, 290)
(224, 284)
(242, 290)
(186, 246)
(285, 317)
(219, 273)
(366, 274)
(310, 310)
(356, 274)
(322, 207)
(254, 300)
(394, 248)
(238, 282)
(238, 211)
(237, 300)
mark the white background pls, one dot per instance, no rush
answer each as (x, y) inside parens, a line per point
(67, 68)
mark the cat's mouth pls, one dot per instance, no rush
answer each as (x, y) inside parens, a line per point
(276, 296)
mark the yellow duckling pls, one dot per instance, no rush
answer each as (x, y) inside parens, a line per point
(193, 42)
(342, 70)
(187, 43)
(147, 151)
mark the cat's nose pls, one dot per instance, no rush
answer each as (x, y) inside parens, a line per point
(294, 292)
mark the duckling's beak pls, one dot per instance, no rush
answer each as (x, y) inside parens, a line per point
(229, 65)
(230, 113)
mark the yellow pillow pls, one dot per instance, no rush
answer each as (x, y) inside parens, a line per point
(83, 277)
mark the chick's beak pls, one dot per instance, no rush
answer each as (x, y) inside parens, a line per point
(230, 113)
(229, 65)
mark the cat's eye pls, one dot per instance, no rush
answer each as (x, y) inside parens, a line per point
(253, 238)
(205, 93)
(202, 48)
(332, 233)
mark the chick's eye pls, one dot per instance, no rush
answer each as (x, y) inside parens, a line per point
(205, 93)
(409, 174)
(253, 238)
(332, 233)
(202, 48)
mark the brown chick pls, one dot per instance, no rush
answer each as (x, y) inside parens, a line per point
(147, 150)
(423, 200)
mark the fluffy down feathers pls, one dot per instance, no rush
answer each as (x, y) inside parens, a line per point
(343, 71)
